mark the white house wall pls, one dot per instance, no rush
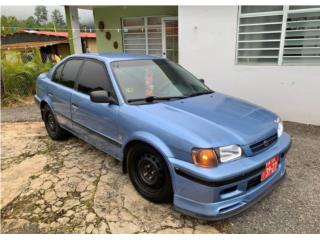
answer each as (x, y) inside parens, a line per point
(207, 47)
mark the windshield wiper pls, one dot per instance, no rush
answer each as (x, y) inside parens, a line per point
(154, 98)
(200, 93)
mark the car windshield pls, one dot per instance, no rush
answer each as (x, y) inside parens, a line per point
(155, 79)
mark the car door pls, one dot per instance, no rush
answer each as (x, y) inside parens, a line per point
(60, 90)
(95, 122)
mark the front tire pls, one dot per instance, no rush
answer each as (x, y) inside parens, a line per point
(54, 130)
(149, 174)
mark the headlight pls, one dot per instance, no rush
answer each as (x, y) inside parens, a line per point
(280, 126)
(207, 157)
(229, 153)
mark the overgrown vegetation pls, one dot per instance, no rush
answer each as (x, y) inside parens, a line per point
(19, 72)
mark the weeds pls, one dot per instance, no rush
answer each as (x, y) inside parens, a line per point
(20, 73)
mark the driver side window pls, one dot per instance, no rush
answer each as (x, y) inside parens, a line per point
(93, 77)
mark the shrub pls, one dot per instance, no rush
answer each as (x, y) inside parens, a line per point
(19, 75)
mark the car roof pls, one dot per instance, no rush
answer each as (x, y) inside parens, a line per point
(111, 57)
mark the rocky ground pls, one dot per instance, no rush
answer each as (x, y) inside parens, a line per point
(70, 187)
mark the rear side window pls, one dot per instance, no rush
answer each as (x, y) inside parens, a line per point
(69, 73)
(93, 77)
(57, 73)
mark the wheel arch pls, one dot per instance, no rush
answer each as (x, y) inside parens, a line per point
(152, 141)
(44, 102)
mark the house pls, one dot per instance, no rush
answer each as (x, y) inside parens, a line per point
(269, 55)
(48, 42)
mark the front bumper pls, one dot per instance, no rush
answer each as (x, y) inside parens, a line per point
(222, 192)
(37, 99)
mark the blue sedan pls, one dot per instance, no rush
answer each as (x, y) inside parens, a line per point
(211, 154)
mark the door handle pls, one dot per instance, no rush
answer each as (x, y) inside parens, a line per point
(50, 94)
(74, 105)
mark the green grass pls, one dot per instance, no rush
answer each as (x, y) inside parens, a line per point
(20, 74)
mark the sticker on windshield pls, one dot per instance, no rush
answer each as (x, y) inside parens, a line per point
(129, 90)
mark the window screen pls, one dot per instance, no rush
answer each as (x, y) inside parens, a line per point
(134, 35)
(259, 34)
(142, 35)
(302, 41)
(93, 77)
(278, 35)
(70, 72)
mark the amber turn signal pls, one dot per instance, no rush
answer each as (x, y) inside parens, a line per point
(204, 157)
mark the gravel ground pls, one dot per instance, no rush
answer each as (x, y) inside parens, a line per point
(80, 189)
(20, 114)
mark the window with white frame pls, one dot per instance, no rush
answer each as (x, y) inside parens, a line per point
(278, 35)
(142, 35)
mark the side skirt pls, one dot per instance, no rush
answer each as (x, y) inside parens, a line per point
(97, 146)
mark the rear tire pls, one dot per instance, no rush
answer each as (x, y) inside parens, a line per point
(54, 130)
(149, 174)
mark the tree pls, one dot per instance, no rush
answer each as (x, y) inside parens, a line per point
(9, 25)
(30, 23)
(57, 18)
(41, 14)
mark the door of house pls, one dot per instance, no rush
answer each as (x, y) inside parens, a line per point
(170, 38)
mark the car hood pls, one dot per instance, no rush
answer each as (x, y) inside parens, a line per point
(216, 118)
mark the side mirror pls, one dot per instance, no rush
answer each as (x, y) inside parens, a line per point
(201, 80)
(101, 96)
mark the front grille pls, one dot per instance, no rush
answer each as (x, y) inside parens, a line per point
(253, 182)
(259, 146)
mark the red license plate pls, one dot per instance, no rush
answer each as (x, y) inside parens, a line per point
(270, 168)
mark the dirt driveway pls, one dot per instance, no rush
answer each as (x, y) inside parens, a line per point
(70, 187)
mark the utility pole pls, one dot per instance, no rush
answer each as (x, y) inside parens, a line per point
(2, 86)
(54, 26)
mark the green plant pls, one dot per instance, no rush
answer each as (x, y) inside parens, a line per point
(20, 76)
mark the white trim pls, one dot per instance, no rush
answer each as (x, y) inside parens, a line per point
(264, 32)
(134, 27)
(146, 34)
(163, 31)
(303, 39)
(142, 33)
(304, 56)
(286, 48)
(260, 24)
(260, 14)
(302, 21)
(134, 44)
(264, 40)
(305, 30)
(305, 10)
(237, 34)
(256, 49)
(275, 57)
(283, 33)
